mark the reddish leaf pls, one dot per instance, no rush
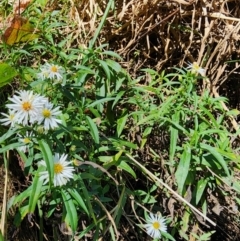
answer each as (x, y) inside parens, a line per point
(20, 30)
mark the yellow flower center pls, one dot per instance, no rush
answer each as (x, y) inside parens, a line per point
(156, 225)
(58, 168)
(196, 66)
(46, 113)
(27, 106)
(11, 117)
(26, 140)
(54, 69)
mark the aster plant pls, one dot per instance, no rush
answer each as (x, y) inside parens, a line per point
(70, 131)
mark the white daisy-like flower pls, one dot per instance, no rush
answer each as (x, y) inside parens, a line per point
(62, 172)
(195, 68)
(10, 119)
(43, 74)
(51, 71)
(48, 116)
(26, 106)
(27, 139)
(155, 225)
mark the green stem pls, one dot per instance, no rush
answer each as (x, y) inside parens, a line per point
(92, 42)
(40, 212)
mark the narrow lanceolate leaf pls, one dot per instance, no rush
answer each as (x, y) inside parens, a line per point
(34, 197)
(183, 168)
(168, 236)
(79, 199)
(93, 129)
(113, 54)
(101, 101)
(11, 146)
(114, 65)
(22, 212)
(105, 68)
(201, 185)
(47, 156)
(8, 134)
(71, 217)
(123, 165)
(7, 73)
(121, 123)
(219, 158)
(174, 137)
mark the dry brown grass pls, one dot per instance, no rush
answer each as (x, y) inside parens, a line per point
(162, 34)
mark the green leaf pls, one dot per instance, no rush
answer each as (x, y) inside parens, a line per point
(176, 125)
(183, 168)
(86, 230)
(21, 197)
(121, 122)
(185, 221)
(100, 101)
(93, 129)
(207, 236)
(145, 135)
(10, 147)
(217, 156)
(232, 183)
(48, 157)
(71, 217)
(34, 197)
(173, 137)
(168, 236)
(78, 198)
(113, 54)
(230, 155)
(233, 112)
(8, 134)
(114, 65)
(160, 112)
(84, 69)
(42, 3)
(123, 165)
(201, 185)
(150, 71)
(7, 73)
(120, 143)
(120, 206)
(22, 212)
(87, 198)
(105, 68)
(111, 160)
(211, 117)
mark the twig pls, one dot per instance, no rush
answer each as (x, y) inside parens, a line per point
(158, 181)
(3, 225)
